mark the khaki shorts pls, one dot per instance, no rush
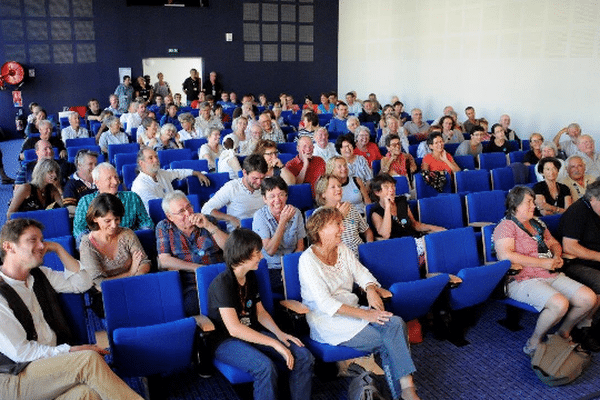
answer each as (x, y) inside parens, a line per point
(536, 292)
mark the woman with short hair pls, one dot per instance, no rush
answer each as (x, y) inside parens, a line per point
(551, 196)
(43, 192)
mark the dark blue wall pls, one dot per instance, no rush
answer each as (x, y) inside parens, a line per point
(126, 35)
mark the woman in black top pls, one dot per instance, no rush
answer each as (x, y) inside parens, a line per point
(246, 335)
(551, 197)
(534, 155)
(42, 193)
(498, 143)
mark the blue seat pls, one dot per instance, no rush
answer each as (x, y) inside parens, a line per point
(395, 264)
(516, 156)
(217, 180)
(525, 145)
(30, 155)
(246, 223)
(124, 159)
(56, 222)
(78, 142)
(196, 165)
(402, 186)
(300, 196)
(129, 174)
(490, 161)
(157, 214)
(144, 314)
(167, 156)
(376, 166)
(73, 150)
(472, 181)
(95, 127)
(485, 207)
(455, 252)
(52, 260)
(552, 222)
(204, 276)
(114, 149)
(75, 311)
(287, 147)
(285, 157)
(465, 162)
(194, 145)
(445, 211)
(322, 351)
(324, 119)
(424, 190)
(147, 239)
(371, 127)
(503, 179)
(451, 147)
(412, 148)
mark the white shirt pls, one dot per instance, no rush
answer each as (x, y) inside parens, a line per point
(133, 120)
(185, 135)
(355, 108)
(70, 133)
(203, 126)
(13, 338)
(108, 138)
(240, 202)
(569, 147)
(325, 288)
(148, 189)
(326, 153)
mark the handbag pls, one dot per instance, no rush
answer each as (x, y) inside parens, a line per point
(364, 385)
(435, 179)
(558, 361)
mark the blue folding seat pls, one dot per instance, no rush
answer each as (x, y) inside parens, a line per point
(490, 161)
(472, 181)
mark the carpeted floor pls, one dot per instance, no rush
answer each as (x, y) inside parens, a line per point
(492, 366)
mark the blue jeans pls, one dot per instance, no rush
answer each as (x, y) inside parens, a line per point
(258, 361)
(391, 342)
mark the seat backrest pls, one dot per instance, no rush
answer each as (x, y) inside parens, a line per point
(391, 261)
(451, 147)
(217, 180)
(129, 174)
(194, 144)
(291, 278)
(300, 196)
(290, 148)
(30, 154)
(124, 159)
(472, 181)
(52, 260)
(489, 255)
(445, 211)
(552, 222)
(412, 149)
(525, 145)
(56, 222)
(73, 150)
(402, 186)
(485, 206)
(206, 274)
(503, 178)
(77, 142)
(142, 300)
(246, 223)
(285, 157)
(490, 161)
(147, 239)
(465, 162)
(167, 156)
(452, 250)
(376, 166)
(424, 190)
(114, 149)
(516, 156)
(196, 165)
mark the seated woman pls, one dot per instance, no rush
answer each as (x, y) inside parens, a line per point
(148, 136)
(551, 197)
(168, 138)
(328, 271)
(450, 133)
(352, 123)
(498, 142)
(246, 336)
(253, 136)
(357, 164)
(549, 149)
(364, 146)
(210, 151)
(268, 149)
(44, 191)
(238, 135)
(308, 124)
(439, 159)
(394, 127)
(325, 107)
(329, 193)
(528, 245)
(534, 155)
(187, 131)
(279, 225)
(309, 104)
(473, 146)
(354, 189)
(114, 134)
(110, 251)
(387, 111)
(396, 162)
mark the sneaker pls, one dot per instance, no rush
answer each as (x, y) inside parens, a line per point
(530, 351)
(586, 339)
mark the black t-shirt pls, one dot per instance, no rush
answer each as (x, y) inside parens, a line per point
(373, 117)
(581, 222)
(401, 224)
(492, 147)
(191, 88)
(531, 158)
(225, 292)
(542, 188)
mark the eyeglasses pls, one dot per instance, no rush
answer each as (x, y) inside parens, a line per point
(272, 153)
(394, 144)
(189, 208)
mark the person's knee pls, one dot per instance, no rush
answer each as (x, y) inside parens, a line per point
(80, 392)
(266, 370)
(558, 304)
(304, 358)
(585, 298)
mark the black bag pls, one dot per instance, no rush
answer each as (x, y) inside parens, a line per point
(435, 179)
(364, 385)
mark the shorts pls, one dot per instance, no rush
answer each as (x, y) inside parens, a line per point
(536, 292)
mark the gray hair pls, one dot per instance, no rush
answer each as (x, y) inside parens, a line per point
(44, 122)
(101, 166)
(592, 190)
(235, 122)
(350, 119)
(186, 117)
(574, 125)
(573, 157)
(515, 197)
(168, 127)
(204, 104)
(551, 145)
(82, 154)
(140, 154)
(360, 129)
(169, 197)
(112, 120)
(43, 167)
(73, 114)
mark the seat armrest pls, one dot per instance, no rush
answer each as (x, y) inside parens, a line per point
(479, 224)
(453, 280)
(204, 323)
(295, 306)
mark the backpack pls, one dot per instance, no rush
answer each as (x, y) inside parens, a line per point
(558, 361)
(364, 385)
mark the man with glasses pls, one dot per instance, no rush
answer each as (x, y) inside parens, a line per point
(81, 182)
(270, 131)
(185, 241)
(241, 196)
(416, 125)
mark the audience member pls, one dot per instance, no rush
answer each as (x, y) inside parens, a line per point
(44, 191)
(248, 146)
(168, 138)
(124, 92)
(171, 116)
(35, 339)
(211, 150)
(325, 107)
(134, 120)
(396, 162)
(187, 131)
(576, 179)
(471, 121)
(394, 127)
(450, 133)
(270, 129)
(185, 241)
(93, 111)
(148, 136)
(439, 159)
(306, 167)
(510, 134)
(569, 146)
(551, 197)
(357, 164)
(528, 245)
(354, 107)
(81, 182)
(309, 104)
(268, 150)
(369, 113)
(114, 107)
(534, 155)
(548, 149)
(323, 147)
(114, 135)
(498, 142)
(337, 124)
(364, 146)
(206, 121)
(308, 124)
(587, 151)
(416, 125)
(473, 146)
(43, 151)
(352, 124)
(45, 128)
(74, 130)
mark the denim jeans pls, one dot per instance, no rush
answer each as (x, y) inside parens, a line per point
(588, 276)
(258, 361)
(391, 342)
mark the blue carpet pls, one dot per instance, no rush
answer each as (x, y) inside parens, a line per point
(491, 367)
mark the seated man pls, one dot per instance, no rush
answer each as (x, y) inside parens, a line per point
(471, 122)
(81, 182)
(114, 134)
(225, 103)
(354, 107)
(206, 121)
(153, 182)
(579, 229)
(270, 131)
(45, 128)
(36, 359)
(587, 151)
(306, 167)
(576, 180)
(134, 119)
(107, 181)
(43, 150)
(509, 133)
(241, 196)
(569, 146)
(113, 100)
(369, 114)
(416, 125)
(323, 147)
(186, 241)
(337, 124)
(74, 130)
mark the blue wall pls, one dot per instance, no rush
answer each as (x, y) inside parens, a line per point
(126, 35)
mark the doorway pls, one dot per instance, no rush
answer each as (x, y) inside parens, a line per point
(175, 70)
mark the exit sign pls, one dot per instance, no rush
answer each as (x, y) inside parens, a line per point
(173, 51)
